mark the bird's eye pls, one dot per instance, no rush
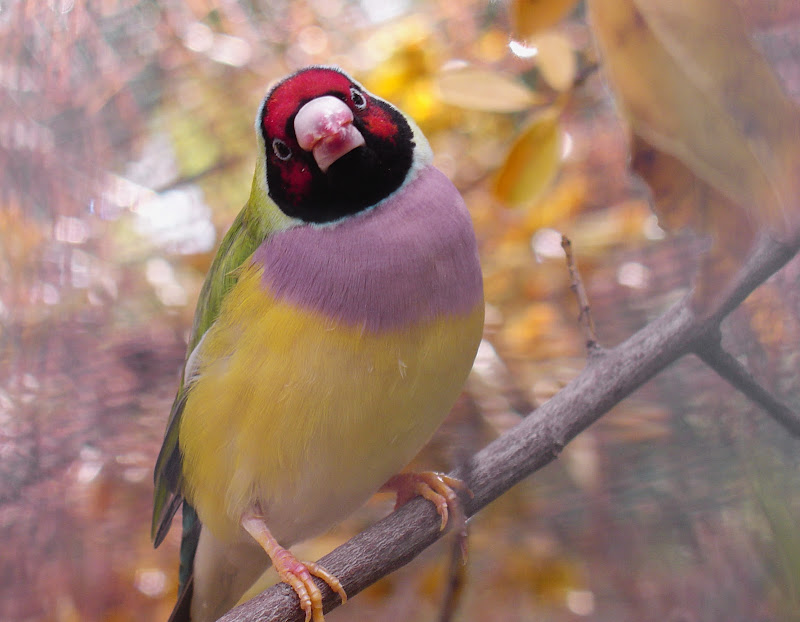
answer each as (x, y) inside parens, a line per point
(359, 100)
(281, 150)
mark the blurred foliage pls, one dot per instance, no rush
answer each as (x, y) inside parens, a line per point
(714, 132)
(125, 151)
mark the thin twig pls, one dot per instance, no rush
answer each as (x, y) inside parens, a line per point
(711, 352)
(456, 575)
(576, 285)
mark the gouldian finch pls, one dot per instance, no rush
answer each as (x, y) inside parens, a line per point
(335, 329)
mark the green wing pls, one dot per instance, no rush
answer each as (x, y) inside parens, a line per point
(247, 232)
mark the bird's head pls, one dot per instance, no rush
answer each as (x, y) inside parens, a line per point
(330, 149)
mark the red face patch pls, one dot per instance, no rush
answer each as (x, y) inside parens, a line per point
(284, 153)
(289, 96)
(295, 181)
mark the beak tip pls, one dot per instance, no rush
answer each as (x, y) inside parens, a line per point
(329, 149)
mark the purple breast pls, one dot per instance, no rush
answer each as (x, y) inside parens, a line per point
(412, 258)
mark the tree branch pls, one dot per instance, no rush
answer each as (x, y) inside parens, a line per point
(712, 353)
(608, 378)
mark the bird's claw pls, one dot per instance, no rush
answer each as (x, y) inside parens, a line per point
(439, 489)
(299, 575)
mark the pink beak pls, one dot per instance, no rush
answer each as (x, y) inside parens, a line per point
(324, 126)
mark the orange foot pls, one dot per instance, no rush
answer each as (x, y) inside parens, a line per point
(437, 488)
(296, 573)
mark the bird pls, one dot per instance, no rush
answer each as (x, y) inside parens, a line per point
(333, 333)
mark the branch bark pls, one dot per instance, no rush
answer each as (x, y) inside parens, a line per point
(711, 352)
(585, 310)
(609, 376)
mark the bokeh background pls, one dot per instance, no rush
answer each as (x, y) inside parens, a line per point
(126, 149)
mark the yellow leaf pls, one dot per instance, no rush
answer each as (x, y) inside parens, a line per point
(556, 60)
(692, 85)
(532, 163)
(714, 135)
(481, 89)
(597, 232)
(529, 17)
(563, 201)
(680, 200)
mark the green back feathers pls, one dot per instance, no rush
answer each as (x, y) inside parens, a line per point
(257, 220)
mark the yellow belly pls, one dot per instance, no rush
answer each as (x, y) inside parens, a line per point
(307, 417)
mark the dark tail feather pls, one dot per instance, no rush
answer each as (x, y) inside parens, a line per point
(189, 540)
(162, 515)
(182, 610)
